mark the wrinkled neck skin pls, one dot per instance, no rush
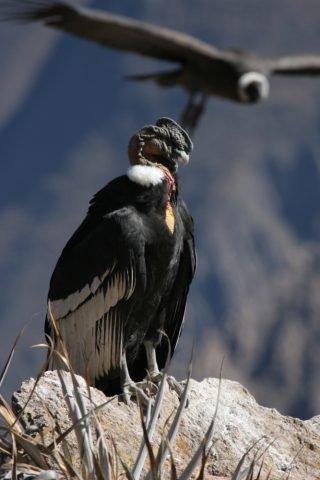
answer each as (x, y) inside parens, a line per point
(137, 156)
(170, 176)
(171, 183)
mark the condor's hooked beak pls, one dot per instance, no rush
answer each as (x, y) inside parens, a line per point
(181, 156)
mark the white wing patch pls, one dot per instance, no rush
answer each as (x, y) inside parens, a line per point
(109, 342)
(145, 175)
(93, 331)
(61, 308)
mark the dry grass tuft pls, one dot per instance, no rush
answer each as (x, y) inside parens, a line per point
(21, 456)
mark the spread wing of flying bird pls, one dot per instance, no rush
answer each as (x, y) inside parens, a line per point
(122, 280)
(200, 67)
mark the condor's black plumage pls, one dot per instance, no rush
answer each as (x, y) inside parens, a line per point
(124, 275)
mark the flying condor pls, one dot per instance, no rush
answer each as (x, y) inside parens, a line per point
(123, 277)
(200, 68)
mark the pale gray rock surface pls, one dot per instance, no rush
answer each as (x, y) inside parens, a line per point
(239, 424)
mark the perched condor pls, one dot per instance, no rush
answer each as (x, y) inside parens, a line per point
(124, 275)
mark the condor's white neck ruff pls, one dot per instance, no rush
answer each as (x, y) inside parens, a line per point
(145, 175)
(253, 77)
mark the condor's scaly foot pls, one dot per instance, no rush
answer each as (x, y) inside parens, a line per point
(154, 375)
(129, 387)
(152, 382)
(134, 390)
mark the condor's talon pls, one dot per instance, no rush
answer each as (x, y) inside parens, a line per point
(149, 388)
(151, 384)
(176, 387)
(134, 390)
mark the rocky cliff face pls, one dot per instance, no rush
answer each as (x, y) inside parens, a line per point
(290, 445)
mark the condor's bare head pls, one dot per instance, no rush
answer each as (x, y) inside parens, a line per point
(164, 143)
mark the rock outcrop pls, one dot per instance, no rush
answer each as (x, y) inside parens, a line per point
(294, 445)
